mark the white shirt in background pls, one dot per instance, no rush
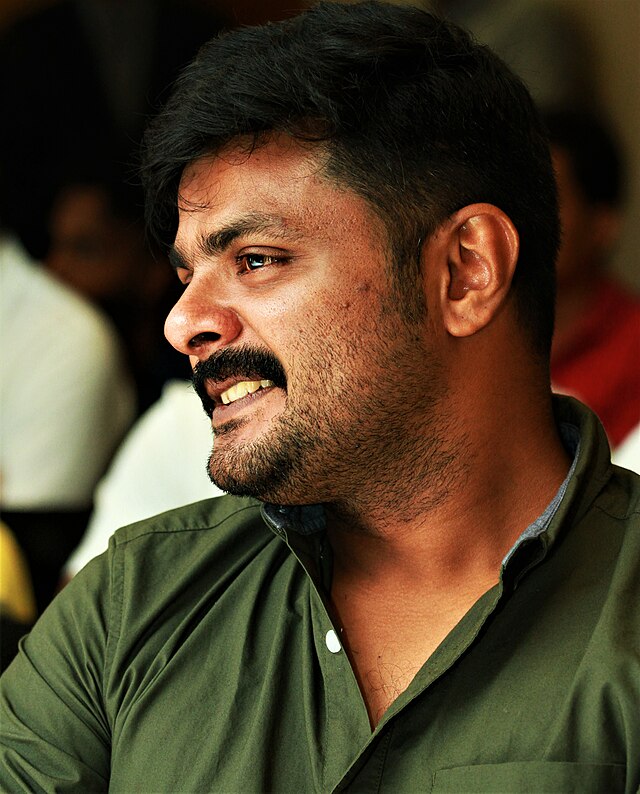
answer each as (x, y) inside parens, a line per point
(66, 400)
(162, 464)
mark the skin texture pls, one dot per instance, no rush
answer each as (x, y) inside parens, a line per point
(429, 436)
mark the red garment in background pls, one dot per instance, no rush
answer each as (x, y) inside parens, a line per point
(600, 364)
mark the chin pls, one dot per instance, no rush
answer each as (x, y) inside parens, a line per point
(265, 483)
(280, 467)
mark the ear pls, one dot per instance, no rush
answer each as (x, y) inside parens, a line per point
(481, 245)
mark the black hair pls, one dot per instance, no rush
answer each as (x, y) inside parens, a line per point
(413, 115)
(594, 154)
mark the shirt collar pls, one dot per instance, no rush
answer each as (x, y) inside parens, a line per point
(570, 435)
(302, 519)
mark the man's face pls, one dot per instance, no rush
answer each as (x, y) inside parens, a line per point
(315, 376)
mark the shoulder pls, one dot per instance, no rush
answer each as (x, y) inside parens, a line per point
(221, 512)
(220, 525)
(151, 578)
(599, 518)
(619, 500)
(188, 546)
(165, 573)
(606, 551)
(611, 524)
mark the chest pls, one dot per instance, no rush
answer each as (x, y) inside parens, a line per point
(388, 645)
(251, 696)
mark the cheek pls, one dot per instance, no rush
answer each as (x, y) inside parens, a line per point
(341, 332)
(320, 331)
(361, 295)
(341, 311)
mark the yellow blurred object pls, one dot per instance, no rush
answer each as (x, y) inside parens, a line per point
(16, 592)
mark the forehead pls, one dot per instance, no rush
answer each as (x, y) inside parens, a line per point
(282, 179)
(278, 159)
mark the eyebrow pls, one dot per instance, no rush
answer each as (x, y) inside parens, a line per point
(217, 242)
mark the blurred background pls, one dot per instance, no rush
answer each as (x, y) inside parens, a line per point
(84, 364)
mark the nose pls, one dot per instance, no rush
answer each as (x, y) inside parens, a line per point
(198, 326)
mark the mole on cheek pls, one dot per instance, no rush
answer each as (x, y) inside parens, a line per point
(362, 289)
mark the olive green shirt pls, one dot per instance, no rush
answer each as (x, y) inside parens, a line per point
(197, 655)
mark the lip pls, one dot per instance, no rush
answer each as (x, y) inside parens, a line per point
(215, 389)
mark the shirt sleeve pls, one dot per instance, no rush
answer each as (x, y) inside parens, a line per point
(53, 722)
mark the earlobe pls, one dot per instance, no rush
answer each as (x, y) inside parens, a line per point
(483, 250)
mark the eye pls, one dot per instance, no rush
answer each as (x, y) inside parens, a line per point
(248, 263)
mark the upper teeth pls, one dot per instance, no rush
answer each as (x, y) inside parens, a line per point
(242, 389)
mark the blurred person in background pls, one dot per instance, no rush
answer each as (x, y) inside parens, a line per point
(79, 80)
(98, 246)
(596, 347)
(66, 401)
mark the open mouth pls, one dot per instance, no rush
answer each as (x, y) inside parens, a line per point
(230, 376)
(242, 389)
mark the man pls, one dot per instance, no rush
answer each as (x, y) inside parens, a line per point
(426, 580)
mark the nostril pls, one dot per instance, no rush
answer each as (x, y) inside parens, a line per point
(203, 338)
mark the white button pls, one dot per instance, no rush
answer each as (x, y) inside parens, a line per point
(333, 643)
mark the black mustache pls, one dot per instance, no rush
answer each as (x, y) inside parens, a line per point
(245, 363)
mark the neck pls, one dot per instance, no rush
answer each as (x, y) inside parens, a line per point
(407, 568)
(501, 474)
